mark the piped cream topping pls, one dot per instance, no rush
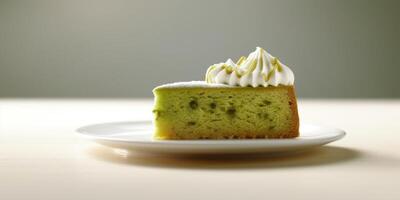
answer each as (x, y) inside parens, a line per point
(258, 69)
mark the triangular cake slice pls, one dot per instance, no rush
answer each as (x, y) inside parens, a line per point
(253, 98)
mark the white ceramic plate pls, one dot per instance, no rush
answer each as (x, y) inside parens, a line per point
(137, 136)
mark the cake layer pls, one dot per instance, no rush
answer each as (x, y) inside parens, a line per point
(225, 112)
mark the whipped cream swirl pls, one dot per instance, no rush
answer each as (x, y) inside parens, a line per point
(258, 69)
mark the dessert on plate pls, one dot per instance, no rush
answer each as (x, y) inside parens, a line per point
(252, 98)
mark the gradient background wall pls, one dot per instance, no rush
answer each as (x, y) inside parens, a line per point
(115, 48)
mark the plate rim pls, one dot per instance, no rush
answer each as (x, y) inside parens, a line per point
(336, 134)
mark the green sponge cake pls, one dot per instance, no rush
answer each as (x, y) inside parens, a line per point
(253, 98)
(194, 111)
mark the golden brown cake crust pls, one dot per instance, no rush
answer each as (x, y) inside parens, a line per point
(295, 115)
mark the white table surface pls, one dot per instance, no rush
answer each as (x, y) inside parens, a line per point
(42, 158)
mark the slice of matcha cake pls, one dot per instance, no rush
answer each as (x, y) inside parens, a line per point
(253, 98)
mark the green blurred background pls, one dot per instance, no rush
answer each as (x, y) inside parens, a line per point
(115, 48)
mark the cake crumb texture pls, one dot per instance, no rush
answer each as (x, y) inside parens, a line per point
(225, 113)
